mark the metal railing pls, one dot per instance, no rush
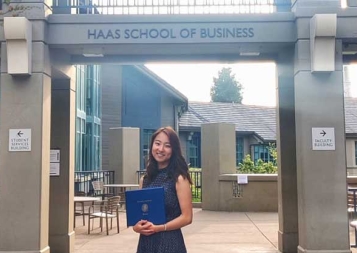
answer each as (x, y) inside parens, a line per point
(140, 173)
(83, 180)
(171, 7)
(196, 187)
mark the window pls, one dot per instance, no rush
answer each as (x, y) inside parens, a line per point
(80, 144)
(80, 85)
(88, 122)
(356, 152)
(97, 152)
(261, 151)
(93, 91)
(80, 148)
(194, 150)
(239, 150)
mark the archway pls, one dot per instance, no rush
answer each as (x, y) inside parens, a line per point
(307, 46)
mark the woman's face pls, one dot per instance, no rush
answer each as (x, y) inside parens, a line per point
(161, 150)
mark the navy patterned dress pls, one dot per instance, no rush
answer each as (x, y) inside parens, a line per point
(167, 241)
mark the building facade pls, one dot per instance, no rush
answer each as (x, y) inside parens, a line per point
(309, 40)
(88, 118)
(133, 96)
(255, 129)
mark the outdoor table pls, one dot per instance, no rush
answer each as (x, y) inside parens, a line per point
(122, 187)
(85, 199)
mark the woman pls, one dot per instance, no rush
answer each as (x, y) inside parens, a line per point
(166, 168)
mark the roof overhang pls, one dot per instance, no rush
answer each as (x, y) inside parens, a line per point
(351, 135)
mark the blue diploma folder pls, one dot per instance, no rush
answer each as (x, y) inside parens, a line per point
(145, 204)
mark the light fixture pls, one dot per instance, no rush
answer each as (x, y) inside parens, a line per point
(93, 52)
(18, 36)
(93, 55)
(349, 52)
(189, 137)
(249, 53)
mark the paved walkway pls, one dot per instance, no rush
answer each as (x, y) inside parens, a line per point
(210, 232)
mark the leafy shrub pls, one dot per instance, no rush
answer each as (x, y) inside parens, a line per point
(261, 167)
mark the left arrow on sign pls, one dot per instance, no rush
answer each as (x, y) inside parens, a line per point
(20, 133)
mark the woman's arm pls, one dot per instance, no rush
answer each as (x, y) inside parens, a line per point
(141, 182)
(185, 200)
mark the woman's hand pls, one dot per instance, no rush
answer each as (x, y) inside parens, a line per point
(144, 227)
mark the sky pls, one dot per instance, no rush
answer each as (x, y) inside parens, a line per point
(258, 80)
(195, 80)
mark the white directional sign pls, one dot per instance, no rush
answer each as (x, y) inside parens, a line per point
(242, 179)
(19, 140)
(323, 138)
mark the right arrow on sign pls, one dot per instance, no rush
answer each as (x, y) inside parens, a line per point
(323, 133)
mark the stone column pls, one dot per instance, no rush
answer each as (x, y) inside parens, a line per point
(321, 174)
(124, 154)
(111, 82)
(25, 104)
(286, 147)
(319, 105)
(218, 157)
(62, 186)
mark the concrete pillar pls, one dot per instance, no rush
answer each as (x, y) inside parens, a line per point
(124, 154)
(321, 174)
(25, 104)
(218, 152)
(286, 147)
(62, 186)
(112, 84)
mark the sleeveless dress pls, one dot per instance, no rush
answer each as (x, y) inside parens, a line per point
(167, 241)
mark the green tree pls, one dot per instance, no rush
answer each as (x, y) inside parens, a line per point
(226, 88)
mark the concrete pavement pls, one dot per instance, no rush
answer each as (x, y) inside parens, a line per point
(210, 232)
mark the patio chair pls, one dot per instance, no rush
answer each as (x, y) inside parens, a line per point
(98, 187)
(79, 211)
(108, 210)
(351, 205)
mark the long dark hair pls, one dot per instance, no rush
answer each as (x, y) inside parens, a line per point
(177, 165)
